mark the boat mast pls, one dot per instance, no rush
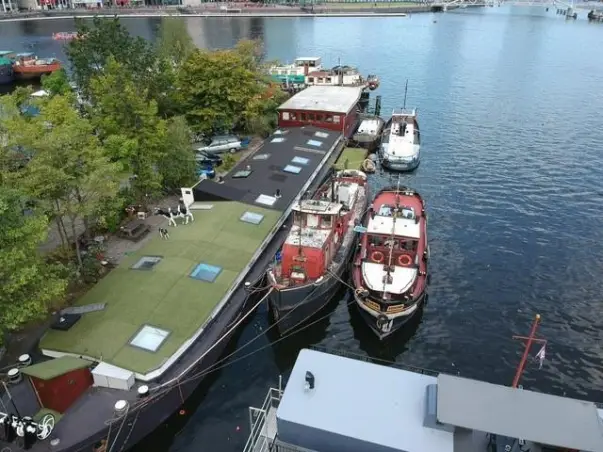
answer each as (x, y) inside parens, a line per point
(405, 92)
(387, 276)
(529, 341)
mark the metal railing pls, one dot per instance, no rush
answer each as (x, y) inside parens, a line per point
(258, 440)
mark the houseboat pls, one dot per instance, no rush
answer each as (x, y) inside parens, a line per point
(317, 250)
(133, 349)
(369, 132)
(345, 402)
(28, 66)
(401, 143)
(327, 107)
(389, 270)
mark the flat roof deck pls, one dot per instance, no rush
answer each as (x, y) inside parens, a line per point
(335, 99)
(375, 404)
(165, 296)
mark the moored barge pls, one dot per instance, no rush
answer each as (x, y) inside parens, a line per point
(138, 344)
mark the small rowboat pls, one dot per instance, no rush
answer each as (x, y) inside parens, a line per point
(65, 36)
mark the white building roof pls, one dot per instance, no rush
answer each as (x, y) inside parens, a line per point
(518, 413)
(403, 227)
(375, 404)
(335, 99)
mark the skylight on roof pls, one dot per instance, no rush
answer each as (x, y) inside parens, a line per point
(266, 200)
(241, 174)
(149, 338)
(321, 134)
(206, 272)
(277, 140)
(146, 263)
(280, 132)
(261, 157)
(252, 217)
(300, 160)
(315, 143)
(292, 169)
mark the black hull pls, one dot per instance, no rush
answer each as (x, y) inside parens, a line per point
(398, 322)
(292, 307)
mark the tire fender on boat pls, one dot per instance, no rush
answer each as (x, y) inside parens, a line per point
(382, 322)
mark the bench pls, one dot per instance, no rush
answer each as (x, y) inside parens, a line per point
(134, 230)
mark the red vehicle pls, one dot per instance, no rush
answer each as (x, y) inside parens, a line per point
(390, 268)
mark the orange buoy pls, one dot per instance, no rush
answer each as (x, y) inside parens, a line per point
(377, 256)
(404, 260)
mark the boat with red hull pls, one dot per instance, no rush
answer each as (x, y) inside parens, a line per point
(389, 271)
(27, 66)
(318, 248)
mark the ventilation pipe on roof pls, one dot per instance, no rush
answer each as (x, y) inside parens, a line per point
(14, 376)
(24, 360)
(309, 381)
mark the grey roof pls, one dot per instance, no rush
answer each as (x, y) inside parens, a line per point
(268, 174)
(517, 413)
(366, 403)
(334, 99)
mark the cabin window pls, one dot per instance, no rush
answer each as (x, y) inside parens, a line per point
(326, 221)
(336, 119)
(286, 115)
(321, 80)
(311, 116)
(312, 220)
(149, 338)
(293, 117)
(303, 117)
(146, 263)
(298, 218)
(328, 79)
(310, 79)
(329, 118)
(252, 217)
(206, 272)
(319, 118)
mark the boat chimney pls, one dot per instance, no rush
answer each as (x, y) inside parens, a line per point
(309, 381)
(306, 68)
(277, 193)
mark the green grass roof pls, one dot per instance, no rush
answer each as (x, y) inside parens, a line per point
(166, 296)
(47, 370)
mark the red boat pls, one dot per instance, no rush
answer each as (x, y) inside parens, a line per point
(318, 248)
(390, 268)
(65, 35)
(27, 66)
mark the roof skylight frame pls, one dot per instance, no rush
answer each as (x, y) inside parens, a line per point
(264, 156)
(146, 263)
(321, 134)
(252, 217)
(292, 169)
(206, 272)
(149, 338)
(278, 140)
(266, 200)
(300, 160)
(242, 174)
(314, 143)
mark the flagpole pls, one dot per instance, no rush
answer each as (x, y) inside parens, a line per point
(530, 340)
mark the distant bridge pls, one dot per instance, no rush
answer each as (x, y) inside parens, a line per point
(563, 7)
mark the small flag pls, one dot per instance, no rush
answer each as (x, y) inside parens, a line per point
(541, 355)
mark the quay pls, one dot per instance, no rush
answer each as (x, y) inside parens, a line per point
(130, 352)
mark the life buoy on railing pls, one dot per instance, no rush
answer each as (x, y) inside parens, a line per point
(404, 260)
(377, 256)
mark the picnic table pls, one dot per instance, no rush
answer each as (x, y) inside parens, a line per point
(134, 230)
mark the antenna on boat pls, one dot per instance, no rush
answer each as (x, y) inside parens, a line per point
(405, 92)
(529, 341)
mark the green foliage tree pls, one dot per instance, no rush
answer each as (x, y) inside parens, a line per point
(30, 286)
(104, 38)
(129, 126)
(222, 90)
(56, 83)
(174, 43)
(69, 172)
(178, 166)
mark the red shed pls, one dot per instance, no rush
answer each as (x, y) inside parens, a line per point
(59, 382)
(327, 107)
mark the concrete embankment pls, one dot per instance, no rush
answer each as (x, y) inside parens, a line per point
(329, 10)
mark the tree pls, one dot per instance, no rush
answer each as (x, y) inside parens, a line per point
(174, 43)
(69, 172)
(178, 167)
(129, 126)
(56, 83)
(29, 284)
(105, 38)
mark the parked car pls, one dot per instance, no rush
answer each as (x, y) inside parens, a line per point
(206, 171)
(204, 158)
(220, 144)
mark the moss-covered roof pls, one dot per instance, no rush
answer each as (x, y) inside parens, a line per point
(165, 296)
(53, 368)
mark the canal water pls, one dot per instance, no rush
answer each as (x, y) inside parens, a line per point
(510, 103)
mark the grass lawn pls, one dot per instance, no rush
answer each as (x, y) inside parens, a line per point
(165, 296)
(353, 156)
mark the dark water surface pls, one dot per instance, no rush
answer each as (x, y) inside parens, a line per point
(510, 109)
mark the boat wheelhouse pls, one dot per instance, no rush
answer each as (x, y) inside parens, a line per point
(341, 76)
(151, 329)
(295, 74)
(401, 143)
(390, 269)
(369, 132)
(328, 107)
(317, 249)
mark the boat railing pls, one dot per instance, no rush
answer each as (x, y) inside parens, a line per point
(383, 362)
(258, 440)
(405, 112)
